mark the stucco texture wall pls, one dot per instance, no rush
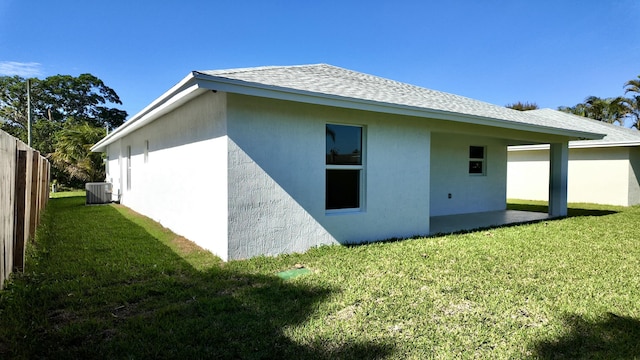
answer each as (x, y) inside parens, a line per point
(277, 177)
(245, 176)
(634, 176)
(595, 175)
(113, 175)
(450, 175)
(528, 175)
(182, 184)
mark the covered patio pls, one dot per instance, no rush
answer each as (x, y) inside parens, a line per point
(447, 224)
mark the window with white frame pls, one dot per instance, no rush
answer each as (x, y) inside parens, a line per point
(344, 167)
(477, 160)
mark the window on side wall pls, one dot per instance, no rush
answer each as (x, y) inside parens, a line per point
(128, 167)
(477, 160)
(344, 168)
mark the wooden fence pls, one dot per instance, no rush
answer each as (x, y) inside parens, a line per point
(24, 191)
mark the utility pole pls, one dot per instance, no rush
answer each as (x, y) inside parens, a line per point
(29, 112)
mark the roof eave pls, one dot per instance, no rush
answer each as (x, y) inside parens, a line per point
(586, 144)
(578, 145)
(177, 95)
(188, 88)
(283, 93)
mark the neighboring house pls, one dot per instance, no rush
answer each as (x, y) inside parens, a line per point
(236, 161)
(602, 171)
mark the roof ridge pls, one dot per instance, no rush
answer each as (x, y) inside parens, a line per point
(419, 87)
(256, 68)
(332, 85)
(355, 72)
(329, 79)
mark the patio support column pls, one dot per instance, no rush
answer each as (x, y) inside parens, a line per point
(558, 171)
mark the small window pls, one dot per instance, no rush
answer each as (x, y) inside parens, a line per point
(128, 167)
(146, 151)
(477, 160)
(344, 167)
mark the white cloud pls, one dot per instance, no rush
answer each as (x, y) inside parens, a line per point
(28, 69)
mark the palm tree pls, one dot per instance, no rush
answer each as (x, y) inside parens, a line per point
(633, 102)
(634, 105)
(632, 86)
(609, 110)
(72, 153)
(579, 109)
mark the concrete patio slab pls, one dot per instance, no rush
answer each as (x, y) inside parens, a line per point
(454, 223)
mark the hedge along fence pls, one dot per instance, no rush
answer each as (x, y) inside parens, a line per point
(24, 191)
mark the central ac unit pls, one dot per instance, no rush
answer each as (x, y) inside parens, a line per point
(98, 193)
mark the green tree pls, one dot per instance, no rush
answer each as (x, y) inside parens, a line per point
(59, 104)
(82, 98)
(610, 110)
(633, 86)
(57, 99)
(13, 106)
(72, 153)
(579, 109)
(523, 106)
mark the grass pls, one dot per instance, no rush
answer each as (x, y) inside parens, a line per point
(64, 194)
(104, 282)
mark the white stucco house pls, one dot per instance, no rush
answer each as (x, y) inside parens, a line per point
(604, 171)
(270, 160)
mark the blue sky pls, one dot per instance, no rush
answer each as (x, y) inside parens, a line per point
(552, 52)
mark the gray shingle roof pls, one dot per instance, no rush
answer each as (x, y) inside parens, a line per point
(326, 84)
(323, 79)
(614, 134)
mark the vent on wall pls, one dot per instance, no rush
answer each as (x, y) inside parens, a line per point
(98, 193)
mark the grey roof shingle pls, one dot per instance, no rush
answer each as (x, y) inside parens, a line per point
(323, 79)
(341, 87)
(614, 134)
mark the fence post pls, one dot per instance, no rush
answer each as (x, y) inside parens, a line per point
(24, 192)
(33, 216)
(20, 237)
(7, 204)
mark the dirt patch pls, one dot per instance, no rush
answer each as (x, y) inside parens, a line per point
(61, 317)
(185, 245)
(458, 308)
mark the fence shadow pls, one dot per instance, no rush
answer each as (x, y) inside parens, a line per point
(612, 337)
(113, 303)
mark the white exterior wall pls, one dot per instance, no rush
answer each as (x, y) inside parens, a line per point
(277, 178)
(599, 176)
(245, 176)
(450, 175)
(596, 175)
(528, 175)
(183, 185)
(113, 169)
(634, 175)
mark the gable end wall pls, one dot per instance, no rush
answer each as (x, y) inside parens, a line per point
(183, 183)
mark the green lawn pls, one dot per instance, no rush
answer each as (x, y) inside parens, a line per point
(103, 282)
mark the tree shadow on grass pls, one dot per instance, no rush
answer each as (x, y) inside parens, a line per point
(611, 337)
(127, 295)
